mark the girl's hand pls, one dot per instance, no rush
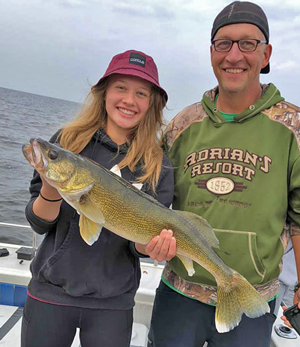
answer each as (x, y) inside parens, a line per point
(47, 210)
(161, 247)
(48, 191)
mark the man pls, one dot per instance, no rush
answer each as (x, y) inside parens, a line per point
(237, 164)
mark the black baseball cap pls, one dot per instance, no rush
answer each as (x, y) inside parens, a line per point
(243, 12)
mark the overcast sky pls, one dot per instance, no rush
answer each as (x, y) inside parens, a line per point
(59, 48)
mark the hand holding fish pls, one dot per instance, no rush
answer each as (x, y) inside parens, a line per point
(161, 247)
(49, 192)
(43, 206)
(47, 205)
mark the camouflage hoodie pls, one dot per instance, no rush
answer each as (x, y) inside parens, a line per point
(244, 178)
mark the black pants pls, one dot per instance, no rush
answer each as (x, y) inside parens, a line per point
(178, 321)
(46, 325)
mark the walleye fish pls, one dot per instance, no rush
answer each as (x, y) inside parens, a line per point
(105, 200)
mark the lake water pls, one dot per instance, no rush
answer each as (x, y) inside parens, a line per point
(23, 116)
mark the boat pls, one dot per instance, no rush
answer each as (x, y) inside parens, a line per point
(15, 276)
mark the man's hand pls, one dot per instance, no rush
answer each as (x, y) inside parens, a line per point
(296, 300)
(161, 247)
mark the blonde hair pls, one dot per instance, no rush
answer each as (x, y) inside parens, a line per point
(144, 140)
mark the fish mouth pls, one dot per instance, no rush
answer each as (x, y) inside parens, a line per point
(33, 152)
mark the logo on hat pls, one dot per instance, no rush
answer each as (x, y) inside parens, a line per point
(137, 59)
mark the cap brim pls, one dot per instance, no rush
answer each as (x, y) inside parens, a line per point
(266, 69)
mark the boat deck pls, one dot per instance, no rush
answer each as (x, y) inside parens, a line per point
(15, 276)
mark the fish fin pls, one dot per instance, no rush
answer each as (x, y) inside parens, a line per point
(188, 264)
(203, 226)
(89, 230)
(91, 210)
(237, 298)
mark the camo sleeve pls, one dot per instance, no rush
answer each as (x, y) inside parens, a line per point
(190, 114)
(289, 115)
(295, 230)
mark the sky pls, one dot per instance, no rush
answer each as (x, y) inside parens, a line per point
(60, 48)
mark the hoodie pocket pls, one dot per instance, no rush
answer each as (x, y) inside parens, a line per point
(239, 250)
(103, 270)
(50, 251)
(65, 245)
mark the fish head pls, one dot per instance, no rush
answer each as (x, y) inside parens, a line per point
(61, 169)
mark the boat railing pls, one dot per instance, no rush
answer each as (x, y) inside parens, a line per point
(34, 238)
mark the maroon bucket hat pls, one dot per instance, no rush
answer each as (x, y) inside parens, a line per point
(134, 63)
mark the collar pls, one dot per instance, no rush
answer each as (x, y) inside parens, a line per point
(101, 136)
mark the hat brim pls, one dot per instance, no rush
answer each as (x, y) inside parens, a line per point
(136, 73)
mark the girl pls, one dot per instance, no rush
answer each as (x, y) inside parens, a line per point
(93, 287)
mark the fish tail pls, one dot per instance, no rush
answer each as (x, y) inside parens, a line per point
(235, 299)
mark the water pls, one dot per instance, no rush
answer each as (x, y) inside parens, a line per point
(23, 116)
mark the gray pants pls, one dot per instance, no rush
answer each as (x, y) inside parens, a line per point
(47, 325)
(178, 321)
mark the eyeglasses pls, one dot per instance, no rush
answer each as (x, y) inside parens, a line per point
(247, 45)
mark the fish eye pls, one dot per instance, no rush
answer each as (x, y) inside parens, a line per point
(52, 154)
